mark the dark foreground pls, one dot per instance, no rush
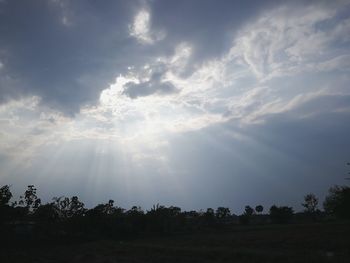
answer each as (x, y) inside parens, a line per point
(269, 243)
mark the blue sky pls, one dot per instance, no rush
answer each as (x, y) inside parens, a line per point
(190, 103)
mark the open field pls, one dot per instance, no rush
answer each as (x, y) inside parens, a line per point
(269, 243)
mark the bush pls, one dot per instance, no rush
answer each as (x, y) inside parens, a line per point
(281, 215)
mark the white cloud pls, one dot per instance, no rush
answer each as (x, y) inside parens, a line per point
(141, 29)
(239, 84)
(288, 41)
(245, 85)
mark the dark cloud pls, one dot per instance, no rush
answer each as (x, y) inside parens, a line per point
(134, 90)
(155, 85)
(68, 51)
(210, 25)
(66, 65)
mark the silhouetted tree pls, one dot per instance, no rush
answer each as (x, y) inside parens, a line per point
(5, 209)
(5, 195)
(48, 212)
(67, 217)
(30, 200)
(282, 214)
(210, 211)
(248, 210)
(245, 218)
(102, 209)
(222, 212)
(209, 216)
(338, 201)
(259, 209)
(310, 203)
(69, 207)
(162, 219)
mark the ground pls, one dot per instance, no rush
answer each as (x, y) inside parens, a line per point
(268, 243)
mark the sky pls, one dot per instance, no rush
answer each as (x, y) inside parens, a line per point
(192, 103)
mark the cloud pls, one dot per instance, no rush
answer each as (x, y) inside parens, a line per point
(153, 78)
(244, 84)
(67, 67)
(134, 90)
(289, 41)
(26, 127)
(226, 98)
(100, 45)
(154, 85)
(234, 86)
(218, 89)
(141, 28)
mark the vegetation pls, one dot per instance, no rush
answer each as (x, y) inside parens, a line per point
(310, 204)
(28, 224)
(338, 201)
(281, 215)
(68, 216)
(259, 209)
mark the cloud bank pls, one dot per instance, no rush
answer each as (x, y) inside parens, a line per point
(159, 98)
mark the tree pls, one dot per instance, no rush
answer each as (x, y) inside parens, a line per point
(310, 203)
(209, 216)
(135, 211)
(338, 201)
(245, 218)
(104, 209)
(282, 214)
(5, 209)
(210, 212)
(69, 207)
(30, 200)
(259, 209)
(248, 211)
(222, 212)
(5, 195)
(47, 212)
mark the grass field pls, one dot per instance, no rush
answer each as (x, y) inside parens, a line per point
(268, 243)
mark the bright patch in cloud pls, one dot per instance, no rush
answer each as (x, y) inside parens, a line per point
(141, 29)
(287, 42)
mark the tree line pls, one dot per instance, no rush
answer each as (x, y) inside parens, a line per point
(67, 217)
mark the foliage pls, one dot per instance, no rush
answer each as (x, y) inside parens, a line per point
(338, 201)
(5, 195)
(67, 217)
(310, 203)
(48, 212)
(30, 200)
(69, 208)
(281, 215)
(222, 212)
(209, 217)
(259, 209)
(245, 218)
(248, 210)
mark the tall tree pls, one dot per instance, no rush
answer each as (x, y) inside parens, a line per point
(30, 200)
(310, 203)
(5, 195)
